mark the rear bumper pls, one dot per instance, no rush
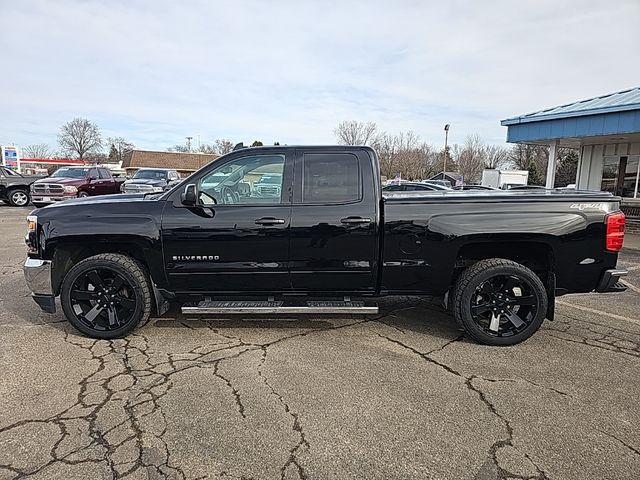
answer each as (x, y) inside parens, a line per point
(37, 273)
(610, 281)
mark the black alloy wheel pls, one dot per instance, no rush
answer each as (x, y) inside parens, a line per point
(504, 305)
(499, 302)
(102, 299)
(106, 296)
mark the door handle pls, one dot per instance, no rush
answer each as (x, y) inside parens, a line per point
(269, 221)
(354, 220)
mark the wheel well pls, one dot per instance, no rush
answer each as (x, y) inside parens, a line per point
(536, 256)
(68, 254)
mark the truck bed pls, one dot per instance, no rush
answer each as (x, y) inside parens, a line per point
(426, 233)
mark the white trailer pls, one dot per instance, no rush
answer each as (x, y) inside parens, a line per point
(504, 178)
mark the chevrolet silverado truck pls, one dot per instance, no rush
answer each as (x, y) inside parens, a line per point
(329, 243)
(14, 187)
(72, 182)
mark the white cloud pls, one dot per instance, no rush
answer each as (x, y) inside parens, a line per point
(156, 71)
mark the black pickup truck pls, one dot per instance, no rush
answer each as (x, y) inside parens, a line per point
(329, 242)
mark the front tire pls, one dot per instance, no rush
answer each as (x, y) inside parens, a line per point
(106, 296)
(83, 195)
(499, 302)
(18, 198)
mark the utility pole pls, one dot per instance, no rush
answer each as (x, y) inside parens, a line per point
(446, 140)
(189, 144)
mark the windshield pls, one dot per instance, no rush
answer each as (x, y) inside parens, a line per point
(70, 173)
(150, 175)
(8, 171)
(214, 180)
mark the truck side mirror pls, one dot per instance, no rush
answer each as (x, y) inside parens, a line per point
(189, 196)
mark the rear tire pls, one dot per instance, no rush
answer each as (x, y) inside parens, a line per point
(18, 197)
(499, 302)
(106, 296)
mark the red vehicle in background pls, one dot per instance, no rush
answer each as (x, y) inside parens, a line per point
(73, 182)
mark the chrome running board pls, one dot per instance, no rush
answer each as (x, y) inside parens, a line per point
(209, 307)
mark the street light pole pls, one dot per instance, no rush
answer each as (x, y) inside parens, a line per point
(446, 140)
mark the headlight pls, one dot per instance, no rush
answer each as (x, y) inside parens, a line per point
(32, 223)
(70, 189)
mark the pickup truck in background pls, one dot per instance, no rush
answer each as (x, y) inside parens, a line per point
(14, 187)
(72, 182)
(151, 180)
(329, 243)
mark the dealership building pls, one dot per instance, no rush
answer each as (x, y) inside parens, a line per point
(605, 130)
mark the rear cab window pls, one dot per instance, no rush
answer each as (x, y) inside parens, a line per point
(331, 178)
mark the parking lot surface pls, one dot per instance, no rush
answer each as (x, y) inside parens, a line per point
(401, 395)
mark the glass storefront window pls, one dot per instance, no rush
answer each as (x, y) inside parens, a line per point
(620, 175)
(610, 170)
(630, 183)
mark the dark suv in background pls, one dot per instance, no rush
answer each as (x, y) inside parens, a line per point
(14, 187)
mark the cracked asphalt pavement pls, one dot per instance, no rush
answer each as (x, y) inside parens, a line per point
(401, 395)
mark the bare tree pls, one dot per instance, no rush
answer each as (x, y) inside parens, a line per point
(496, 156)
(353, 132)
(179, 148)
(533, 158)
(80, 137)
(471, 158)
(39, 150)
(220, 146)
(96, 157)
(118, 147)
(223, 146)
(406, 154)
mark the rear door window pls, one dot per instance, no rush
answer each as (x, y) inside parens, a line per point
(103, 173)
(330, 178)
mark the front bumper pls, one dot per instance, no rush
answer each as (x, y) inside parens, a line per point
(610, 281)
(37, 273)
(39, 198)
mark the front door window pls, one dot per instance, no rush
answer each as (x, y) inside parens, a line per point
(252, 180)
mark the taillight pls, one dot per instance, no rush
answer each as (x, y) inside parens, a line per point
(615, 231)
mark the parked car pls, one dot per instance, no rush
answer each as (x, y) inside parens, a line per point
(442, 183)
(14, 187)
(151, 180)
(499, 260)
(508, 186)
(72, 182)
(473, 187)
(413, 187)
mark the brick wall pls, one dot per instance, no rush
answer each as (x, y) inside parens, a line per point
(631, 209)
(632, 226)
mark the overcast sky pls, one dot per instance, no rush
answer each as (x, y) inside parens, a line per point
(156, 71)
